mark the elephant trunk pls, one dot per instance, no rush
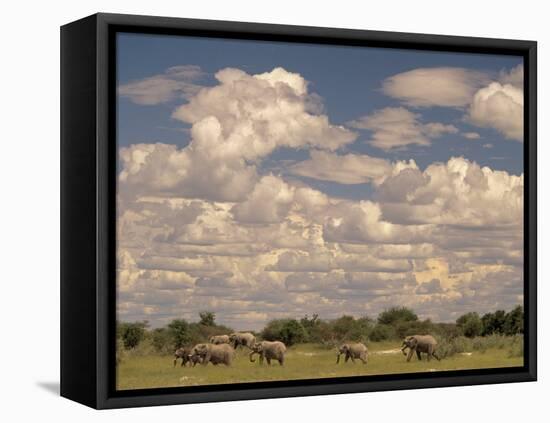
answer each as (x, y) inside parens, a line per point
(250, 357)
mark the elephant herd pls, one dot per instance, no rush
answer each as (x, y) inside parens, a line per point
(221, 350)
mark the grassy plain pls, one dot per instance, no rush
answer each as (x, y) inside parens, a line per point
(303, 361)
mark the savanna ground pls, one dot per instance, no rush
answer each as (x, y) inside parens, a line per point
(303, 361)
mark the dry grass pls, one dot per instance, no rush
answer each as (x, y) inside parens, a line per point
(303, 361)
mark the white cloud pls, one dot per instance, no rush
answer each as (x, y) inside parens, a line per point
(513, 76)
(176, 82)
(471, 135)
(458, 192)
(258, 113)
(397, 127)
(234, 126)
(269, 202)
(500, 107)
(443, 86)
(347, 168)
(201, 228)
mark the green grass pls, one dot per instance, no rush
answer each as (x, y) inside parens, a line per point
(305, 361)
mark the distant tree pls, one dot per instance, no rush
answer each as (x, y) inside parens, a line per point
(207, 318)
(471, 324)
(162, 340)
(397, 314)
(289, 331)
(513, 322)
(132, 333)
(179, 332)
(382, 332)
(494, 322)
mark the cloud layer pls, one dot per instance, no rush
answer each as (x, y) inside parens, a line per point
(209, 227)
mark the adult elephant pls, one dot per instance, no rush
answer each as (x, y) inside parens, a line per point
(270, 351)
(219, 339)
(353, 351)
(215, 354)
(242, 338)
(420, 344)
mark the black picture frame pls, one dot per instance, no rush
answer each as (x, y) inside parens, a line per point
(88, 190)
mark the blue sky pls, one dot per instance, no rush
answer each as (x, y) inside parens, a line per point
(347, 78)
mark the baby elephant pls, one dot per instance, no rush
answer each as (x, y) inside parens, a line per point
(353, 351)
(270, 351)
(215, 354)
(219, 339)
(420, 344)
(183, 354)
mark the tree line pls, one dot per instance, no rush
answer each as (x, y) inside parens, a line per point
(392, 324)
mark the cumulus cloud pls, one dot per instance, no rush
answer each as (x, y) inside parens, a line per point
(499, 106)
(234, 125)
(176, 82)
(207, 227)
(440, 86)
(513, 76)
(256, 114)
(344, 169)
(458, 192)
(397, 127)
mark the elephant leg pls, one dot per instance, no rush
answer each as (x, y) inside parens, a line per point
(268, 361)
(347, 358)
(281, 360)
(261, 359)
(175, 361)
(409, 356)
(418, 355)
(337, 358)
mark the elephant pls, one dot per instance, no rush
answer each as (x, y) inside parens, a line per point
(183, 354)
(215, 354)
(219, 339)
(242, 338)
(270, 351)
(420, 344)
(353, 351)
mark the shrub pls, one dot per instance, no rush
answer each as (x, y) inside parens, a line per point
(207, 318)
(132, 333)
(162, 341)
(289, 331)
(516, 347)
(513, 322)
(397, 314)
(449, 347)
(471, 324)
(382, 332)
(179, 332)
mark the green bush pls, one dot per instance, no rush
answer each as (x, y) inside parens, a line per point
(382, 332)
(397, 314)
(162, 341)
(179, 332)
(449, 347)
(513, 323)
(131, 333)
(289, 331)
(516, 347)
(471, 324)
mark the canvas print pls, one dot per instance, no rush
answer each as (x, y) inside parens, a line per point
(291, 211)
